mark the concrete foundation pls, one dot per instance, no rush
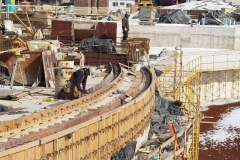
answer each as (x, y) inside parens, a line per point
(166, 35)
(233, 2)
(220, 85)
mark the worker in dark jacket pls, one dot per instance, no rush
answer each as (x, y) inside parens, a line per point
(74, 85)
(125, 25)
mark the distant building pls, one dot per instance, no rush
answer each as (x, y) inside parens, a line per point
(121, 4)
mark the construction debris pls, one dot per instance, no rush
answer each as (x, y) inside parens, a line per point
(176, 17)
(97, 45)
(126, 153)
(159, 131)
(112, 17)
(216, 18)
(4, 108)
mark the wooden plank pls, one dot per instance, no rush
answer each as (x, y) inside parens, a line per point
(101, 134)
(115, 130)
(166, 143)
(84, 144)
(176, 154)
(207, 122)
(108, 122)
(109, 133)
(49, 61)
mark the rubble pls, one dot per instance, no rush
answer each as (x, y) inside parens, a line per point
(4, 108)
(97, 45)
(159, 132)
(126, 153)
(112, 17)
(176, 17)
(216, 18)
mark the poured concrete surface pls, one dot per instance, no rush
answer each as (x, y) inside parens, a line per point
(34, 101)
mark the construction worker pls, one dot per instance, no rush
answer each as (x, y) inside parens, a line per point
(74, 84)
(125, 25)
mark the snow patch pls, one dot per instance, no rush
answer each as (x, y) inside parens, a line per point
(225, 130)
(201, 5)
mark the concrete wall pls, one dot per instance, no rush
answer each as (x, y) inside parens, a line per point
(234, 2)
(165, 35)
(223, 85)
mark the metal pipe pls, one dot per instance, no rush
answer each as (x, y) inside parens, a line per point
(29, 21)
(23, 24)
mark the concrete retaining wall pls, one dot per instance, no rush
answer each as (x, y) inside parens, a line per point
(165, 35)
(220, 85)
(234, 2)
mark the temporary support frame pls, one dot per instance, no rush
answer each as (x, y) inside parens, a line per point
(218, 78)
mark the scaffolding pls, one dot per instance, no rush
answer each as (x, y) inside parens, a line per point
(208, 77)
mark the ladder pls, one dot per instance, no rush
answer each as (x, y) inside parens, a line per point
(176, 141)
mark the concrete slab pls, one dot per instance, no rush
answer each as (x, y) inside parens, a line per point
(34, 101)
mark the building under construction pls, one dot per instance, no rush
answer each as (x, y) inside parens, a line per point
(143, 100)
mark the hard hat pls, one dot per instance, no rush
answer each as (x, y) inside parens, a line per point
(92, 71)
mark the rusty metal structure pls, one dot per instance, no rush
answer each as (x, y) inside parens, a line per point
(4, 75)
(72, 32)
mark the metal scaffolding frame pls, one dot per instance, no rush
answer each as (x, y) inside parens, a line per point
(235, 84)
(217, 78)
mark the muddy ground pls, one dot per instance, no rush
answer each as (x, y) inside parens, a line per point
(221, 141)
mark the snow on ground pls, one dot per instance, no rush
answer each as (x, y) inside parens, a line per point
(227, 128)
(205, 104)
(201, 5)
(190, 54)
(224, 130)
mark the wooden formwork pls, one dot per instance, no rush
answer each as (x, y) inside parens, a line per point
(134, 48)
(96, 135)
(14, 126)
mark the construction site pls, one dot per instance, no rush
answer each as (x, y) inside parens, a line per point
(168, 92)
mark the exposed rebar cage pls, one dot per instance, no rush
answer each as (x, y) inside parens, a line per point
(4, 75)
(134, 48)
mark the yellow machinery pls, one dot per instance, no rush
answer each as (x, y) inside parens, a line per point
(144, 4)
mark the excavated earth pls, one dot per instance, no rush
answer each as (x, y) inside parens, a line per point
(221, 140)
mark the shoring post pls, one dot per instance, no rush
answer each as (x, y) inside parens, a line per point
(198, 126)
(181, 72)
(195, 67)
(213, 77)
(226, 76)
(193, 126)
(238, 78)
(175, 146)
(175, 73)
(159, 153)
(185, 145)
